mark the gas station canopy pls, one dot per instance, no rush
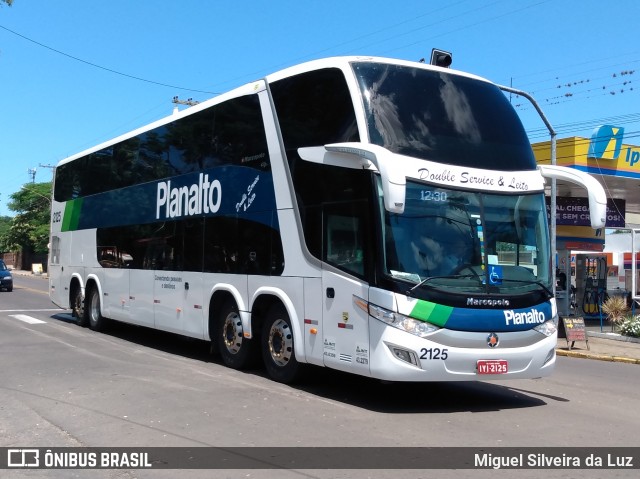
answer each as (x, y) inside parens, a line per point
(615, 165)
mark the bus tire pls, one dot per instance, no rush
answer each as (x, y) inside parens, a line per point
(77, 307)
(94, 317)
(277, 347)
(237, 351)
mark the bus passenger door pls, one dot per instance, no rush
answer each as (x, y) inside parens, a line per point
(345, 326)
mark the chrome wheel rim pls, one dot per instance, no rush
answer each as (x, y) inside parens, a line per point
(232, 333)
(280, 343)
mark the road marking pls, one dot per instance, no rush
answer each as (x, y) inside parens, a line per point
(28, 310)
(27, 319)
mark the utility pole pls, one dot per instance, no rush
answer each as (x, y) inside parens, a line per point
(32, 174)
(51, 167)
(176, 101)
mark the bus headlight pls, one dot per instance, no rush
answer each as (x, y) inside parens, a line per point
(547, 328)
(399, 321)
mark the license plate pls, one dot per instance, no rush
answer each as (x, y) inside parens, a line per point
(492, 366)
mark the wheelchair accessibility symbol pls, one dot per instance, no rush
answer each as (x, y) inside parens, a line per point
(495, 274)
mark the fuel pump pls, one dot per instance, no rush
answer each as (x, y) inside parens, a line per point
(565, 296)
(591, 283)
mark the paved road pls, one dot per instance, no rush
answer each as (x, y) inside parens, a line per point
(66, 386)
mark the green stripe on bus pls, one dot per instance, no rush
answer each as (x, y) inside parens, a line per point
(66, 217)
(434, 313)
(71, 215)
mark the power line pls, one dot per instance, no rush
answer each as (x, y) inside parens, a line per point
(565, 128)
(433, 24)
(603, 90)
(470, 25)
(552, 100)
(580, 126)
(391, 27)
(95, 65)
(618, 119)
(589, 62)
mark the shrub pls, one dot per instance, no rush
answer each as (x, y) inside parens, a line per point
(630, 326)
(615, 307)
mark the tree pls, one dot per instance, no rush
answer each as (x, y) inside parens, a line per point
(5, 224)
(29, 229)
(8, 2)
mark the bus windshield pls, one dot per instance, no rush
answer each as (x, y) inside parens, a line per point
(442, 117)
(468, 242)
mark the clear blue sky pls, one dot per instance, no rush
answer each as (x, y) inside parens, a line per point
(53, 106)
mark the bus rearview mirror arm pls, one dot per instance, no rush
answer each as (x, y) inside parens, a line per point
(595, 192)
(362, 155)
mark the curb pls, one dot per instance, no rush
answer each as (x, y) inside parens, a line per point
(600, 357)
(20, 272)
(614, 337)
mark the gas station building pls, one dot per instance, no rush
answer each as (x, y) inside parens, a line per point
(594, 262)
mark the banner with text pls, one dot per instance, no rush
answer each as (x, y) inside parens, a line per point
(575, 212)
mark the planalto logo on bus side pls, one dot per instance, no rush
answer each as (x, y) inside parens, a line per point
(201, 197)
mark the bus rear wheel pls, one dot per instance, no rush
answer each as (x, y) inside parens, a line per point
(96, 321)
(277, 347)
(77, 306)
(237, 351)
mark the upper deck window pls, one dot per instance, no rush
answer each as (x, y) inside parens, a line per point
(443, 117)
(229, 133)
(314, 108)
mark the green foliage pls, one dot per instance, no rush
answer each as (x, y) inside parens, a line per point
(630, 326)
(5, 224)
(29, 228)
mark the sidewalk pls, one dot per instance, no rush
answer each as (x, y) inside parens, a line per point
(24, 272)
(605, 346)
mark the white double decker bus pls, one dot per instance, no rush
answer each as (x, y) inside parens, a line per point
(381, 217)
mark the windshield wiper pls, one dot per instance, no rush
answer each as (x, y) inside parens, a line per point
(479, 278)
(453, 276)
(531, 281)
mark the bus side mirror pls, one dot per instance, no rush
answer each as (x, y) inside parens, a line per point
(363, 155)
(595, 191)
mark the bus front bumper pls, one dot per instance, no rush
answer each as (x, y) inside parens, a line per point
(459, 356)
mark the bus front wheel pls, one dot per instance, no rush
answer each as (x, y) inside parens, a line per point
(236, 350)
(277, 347)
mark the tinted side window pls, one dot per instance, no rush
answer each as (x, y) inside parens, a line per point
(314, 109)
(243, 245)
(175, 245)
(213, 245)
(231, 133)
(336, 215)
